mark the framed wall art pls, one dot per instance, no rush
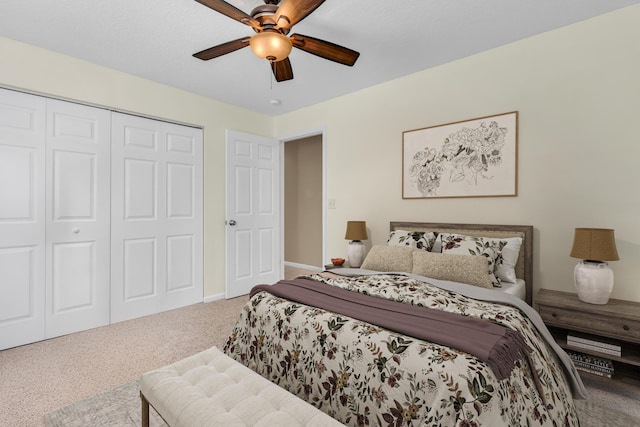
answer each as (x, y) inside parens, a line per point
(471, 158)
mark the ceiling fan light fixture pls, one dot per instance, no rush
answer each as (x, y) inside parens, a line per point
(271, 45)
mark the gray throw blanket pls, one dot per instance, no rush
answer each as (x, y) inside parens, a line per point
(499, 347)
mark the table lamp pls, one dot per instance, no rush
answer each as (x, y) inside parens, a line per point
(592, 276)
(356, 232)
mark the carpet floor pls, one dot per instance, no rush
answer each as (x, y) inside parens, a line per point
(120, 407)
(38, 378)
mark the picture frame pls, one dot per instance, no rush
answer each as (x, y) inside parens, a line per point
(469, 158)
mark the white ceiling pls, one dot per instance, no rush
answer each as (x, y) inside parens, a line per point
(155, 39)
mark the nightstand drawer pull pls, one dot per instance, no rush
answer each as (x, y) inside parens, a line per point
(554, 314)
(626, 327)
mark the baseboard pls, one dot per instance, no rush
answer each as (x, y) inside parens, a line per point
(216, 297)
(303, 266)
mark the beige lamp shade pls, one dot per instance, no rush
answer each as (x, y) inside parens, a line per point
(595, 244)
(356, 230)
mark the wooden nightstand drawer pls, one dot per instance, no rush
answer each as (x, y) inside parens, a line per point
(626, 329)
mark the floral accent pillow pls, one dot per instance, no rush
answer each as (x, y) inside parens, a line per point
(422, 240)
(468, 245)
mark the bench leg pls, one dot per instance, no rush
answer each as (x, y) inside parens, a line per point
(145, 410)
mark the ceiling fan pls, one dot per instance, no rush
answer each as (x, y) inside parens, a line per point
(272, 23)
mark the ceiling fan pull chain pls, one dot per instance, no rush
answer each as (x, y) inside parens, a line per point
(271, 76)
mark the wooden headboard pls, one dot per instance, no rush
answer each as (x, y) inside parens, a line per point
(524, 266)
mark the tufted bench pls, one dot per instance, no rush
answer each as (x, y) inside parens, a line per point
(212, 389)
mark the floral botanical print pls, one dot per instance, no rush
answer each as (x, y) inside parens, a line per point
(364, 375)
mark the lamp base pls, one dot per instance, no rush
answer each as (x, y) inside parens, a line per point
(355, 253)
(594, 281)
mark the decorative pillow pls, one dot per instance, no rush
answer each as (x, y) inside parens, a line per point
(505, 270)
(468, 245)
(415, 239)
(472, 270)
(389, 258)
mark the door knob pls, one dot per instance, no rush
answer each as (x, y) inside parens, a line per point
(232, 222)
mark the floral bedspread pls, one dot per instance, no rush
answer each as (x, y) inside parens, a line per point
(364, 375)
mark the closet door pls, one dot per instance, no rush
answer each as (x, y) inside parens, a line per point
(156, 216)
(78, 216)
(22, 218)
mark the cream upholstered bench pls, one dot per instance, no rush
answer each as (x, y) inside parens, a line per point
(212, 389)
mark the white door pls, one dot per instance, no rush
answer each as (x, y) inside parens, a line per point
(77, 212)
(253, 213)
(157, 215)
(22, 218)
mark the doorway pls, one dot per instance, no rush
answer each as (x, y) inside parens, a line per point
(303, 218)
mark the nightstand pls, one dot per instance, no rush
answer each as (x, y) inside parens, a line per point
(333, 267)
(617, 322)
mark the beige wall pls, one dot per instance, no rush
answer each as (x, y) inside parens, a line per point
(578, 95)
(576, 89)
(42, 71)
(303, 201)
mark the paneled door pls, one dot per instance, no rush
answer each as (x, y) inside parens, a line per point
(22, 218)
(157, 254)
(77, 217)
(253, 242)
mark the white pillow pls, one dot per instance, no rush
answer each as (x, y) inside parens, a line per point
(505, 269)
(437, 244)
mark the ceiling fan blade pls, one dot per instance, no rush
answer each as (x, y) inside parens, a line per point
(291, 12)
(222, 49)
(282, 70)
(325, 49)
(231, 11)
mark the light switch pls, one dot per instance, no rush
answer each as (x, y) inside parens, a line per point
(331, 203)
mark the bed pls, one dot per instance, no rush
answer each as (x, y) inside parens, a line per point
(362, 373)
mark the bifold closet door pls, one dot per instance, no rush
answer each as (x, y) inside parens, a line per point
(54, 218)
(22, 218)
(156, 223)
(78, 215)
